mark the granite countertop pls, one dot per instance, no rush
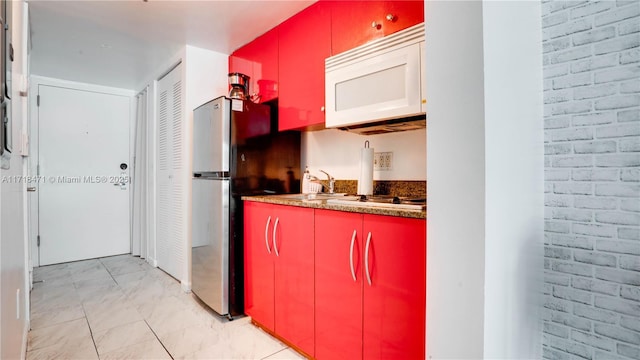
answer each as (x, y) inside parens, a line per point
(321, 203)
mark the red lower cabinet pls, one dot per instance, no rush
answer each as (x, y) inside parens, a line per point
(337, 285)
(258, 264)
(377, 310)
(279, 271)
(293, 277)
(394, 303)
(338, 289)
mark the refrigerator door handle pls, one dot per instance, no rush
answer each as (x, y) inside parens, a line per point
(220, 175)
(266, 234)
(275, 244)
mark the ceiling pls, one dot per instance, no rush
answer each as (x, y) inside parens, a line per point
(120, 43)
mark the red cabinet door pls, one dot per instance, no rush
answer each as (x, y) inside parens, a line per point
(259, 60)
(354, 23)
(404, 14)
(395, 298)
(351, 23)
(305, 41)
(294, 269)
(338, 247)
(258, 263)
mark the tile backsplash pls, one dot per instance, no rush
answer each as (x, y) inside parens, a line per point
(385, 187)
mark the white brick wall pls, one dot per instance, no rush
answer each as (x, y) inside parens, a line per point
(591, 57)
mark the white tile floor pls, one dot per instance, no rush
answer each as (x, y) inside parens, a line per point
(121, 308)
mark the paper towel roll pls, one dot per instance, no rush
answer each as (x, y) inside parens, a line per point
(365, 181)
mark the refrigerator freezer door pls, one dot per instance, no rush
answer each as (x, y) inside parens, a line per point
(210, 243)
(211, 136)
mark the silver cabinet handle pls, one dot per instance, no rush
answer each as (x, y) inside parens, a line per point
(275, 244)
(366, 258)
(266, 234)
(353, 239)
(322, 108)
(374, 25)
(390, 17)
(31, 189)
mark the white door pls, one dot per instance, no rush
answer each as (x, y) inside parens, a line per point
(83, 200)
(173, 176)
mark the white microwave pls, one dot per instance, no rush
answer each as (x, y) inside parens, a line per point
(377, 82)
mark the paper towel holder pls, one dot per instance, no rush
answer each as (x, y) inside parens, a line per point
(365, 180)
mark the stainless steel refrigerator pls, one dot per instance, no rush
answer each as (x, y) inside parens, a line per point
(237, 151)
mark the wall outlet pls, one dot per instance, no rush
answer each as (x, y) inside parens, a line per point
(383, 161)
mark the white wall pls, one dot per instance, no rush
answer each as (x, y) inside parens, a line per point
(206, 76)
(592, 179)
(205, 79)
(338, 153)
(484, 181)
(514, 163)
(13, 259)
(455, 180)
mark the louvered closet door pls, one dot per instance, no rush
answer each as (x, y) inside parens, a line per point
(172, 175)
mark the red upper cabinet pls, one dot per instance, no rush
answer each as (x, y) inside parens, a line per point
(259, 60)
(287, 62)
(354, 23)
(404, 14)
(305, 41)
(351, 23)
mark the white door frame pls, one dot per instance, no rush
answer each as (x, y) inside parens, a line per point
(34, 83)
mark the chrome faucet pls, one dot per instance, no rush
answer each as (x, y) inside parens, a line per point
(332, 181)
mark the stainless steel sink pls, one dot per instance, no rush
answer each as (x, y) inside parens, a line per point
(380, 202)
(318, 196)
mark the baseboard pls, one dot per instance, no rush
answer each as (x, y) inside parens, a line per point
(285, 341)
(153, 262)
(25, 339)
